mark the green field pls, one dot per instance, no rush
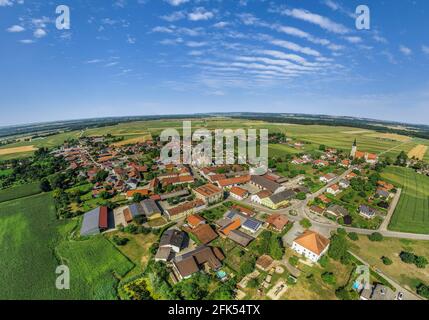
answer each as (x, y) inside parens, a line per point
(412, 211)
(24, 190)
(33, 242)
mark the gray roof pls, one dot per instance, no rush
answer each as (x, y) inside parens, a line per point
(90, 224)
(265, 183)
(183, 192)
(383, 193)
(367, 210)
(338, 210)
(282, 196)
(172, 237)
(136, 210)
(150, 207)
(382, 293)
(164, 253)
(241, 238)
(246, 221)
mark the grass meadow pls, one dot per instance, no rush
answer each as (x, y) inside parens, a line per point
(24, 190)
(412, 211)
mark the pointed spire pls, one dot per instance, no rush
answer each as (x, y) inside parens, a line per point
(354, 143)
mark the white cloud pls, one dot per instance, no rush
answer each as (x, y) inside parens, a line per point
(162, 29)
(176, 2)
(425, 49)
(248, 19)
(15, 28)
(26, 41)
(405, 50)
(131, 40)
(323, 22)
(196, 53)
(353, 39)
(200, 14)
(195, 44)
(39, 33)
(175, 16)
(5, 3)
(295, 47)
(379, 38)
(221, 24)
(111, 64)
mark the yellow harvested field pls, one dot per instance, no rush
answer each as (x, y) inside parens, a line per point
(390, 136)
(17, 150)
(132, 140)
(418, 152)
(356, 131)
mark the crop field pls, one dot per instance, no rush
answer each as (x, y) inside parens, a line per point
(338, 137)
(28, 231)
(138, 139)
(418, 152)
(24, 190)
(33, 242)
(17, 150)
(96, 267)
(412, 211)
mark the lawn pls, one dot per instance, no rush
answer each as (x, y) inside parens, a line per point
(33, 241)
(406, 274)
(412, 211)
(24, 190)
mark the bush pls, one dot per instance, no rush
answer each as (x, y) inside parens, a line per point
(342, 231)
(293, 260)
(119, 241)
(423, 290)
(323, 261)
(338, 247)
(328, 277)
(387, 261)
(375, 237)
(420, 262)
(353, 236)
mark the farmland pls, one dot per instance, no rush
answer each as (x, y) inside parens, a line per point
(412, 211)
(24, 190)
(312, 135)
(33, 241)
(406, 274)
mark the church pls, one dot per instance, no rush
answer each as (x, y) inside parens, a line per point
(370, 158)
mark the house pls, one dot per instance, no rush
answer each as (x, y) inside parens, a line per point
(185, 209)
(95, 221)
(164, 254)
(317, 210)
(278, 200)
(248, 212)
(195, 220)
(238, 193)
(327, 178)
(377, 293)
(132, 183)
(345, 163)
(143, 192)
(324, 199)
(277, 221)
(311, 244)
(334, 189)
(240, 237)
(351, 175)
(367, 212)
(174, 239)
(385, 185)
(264, 262)
(151, 209)
(320, 163)
(250, 224)
(209, 193)
(344, 184)
(337, 211)
(266, 184)
(370, 158)
(204, 233)
(258, 197)
(233, 182)
(382, 193)
(184, 266)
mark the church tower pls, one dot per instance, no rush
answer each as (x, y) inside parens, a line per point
(354, 149)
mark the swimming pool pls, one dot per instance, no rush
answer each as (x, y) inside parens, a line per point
(221, 274)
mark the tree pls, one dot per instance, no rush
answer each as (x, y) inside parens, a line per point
(401, 159)
(376, 236)
(420, 262)
(353, 236)
(119, 241)
(305, 223)
(423, 290)
(387, 261)
(101, 176)
(293, 260)
(407, 257)
(322, 147)
(275, 248)
(301, 196)
(338, 247)
(45, 186)
(137, 197)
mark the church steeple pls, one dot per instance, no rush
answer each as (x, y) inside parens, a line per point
(354, 143)
(354, 149)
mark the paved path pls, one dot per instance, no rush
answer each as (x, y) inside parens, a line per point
(391, 210)
(408, 295)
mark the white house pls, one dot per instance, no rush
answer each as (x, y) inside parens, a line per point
(327, 178)
(334, 189)
(311, 245)
(257, 197)
(238, 193)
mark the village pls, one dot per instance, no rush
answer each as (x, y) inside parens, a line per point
(220, 219)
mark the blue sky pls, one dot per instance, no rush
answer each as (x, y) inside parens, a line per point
(141, 57)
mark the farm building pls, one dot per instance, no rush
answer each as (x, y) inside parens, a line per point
(95, 221)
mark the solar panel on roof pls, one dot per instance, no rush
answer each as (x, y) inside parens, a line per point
(230, 214)
(251, 224)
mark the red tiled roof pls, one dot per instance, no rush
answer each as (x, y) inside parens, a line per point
(208, 190)
(102, 219)
(232, 181)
